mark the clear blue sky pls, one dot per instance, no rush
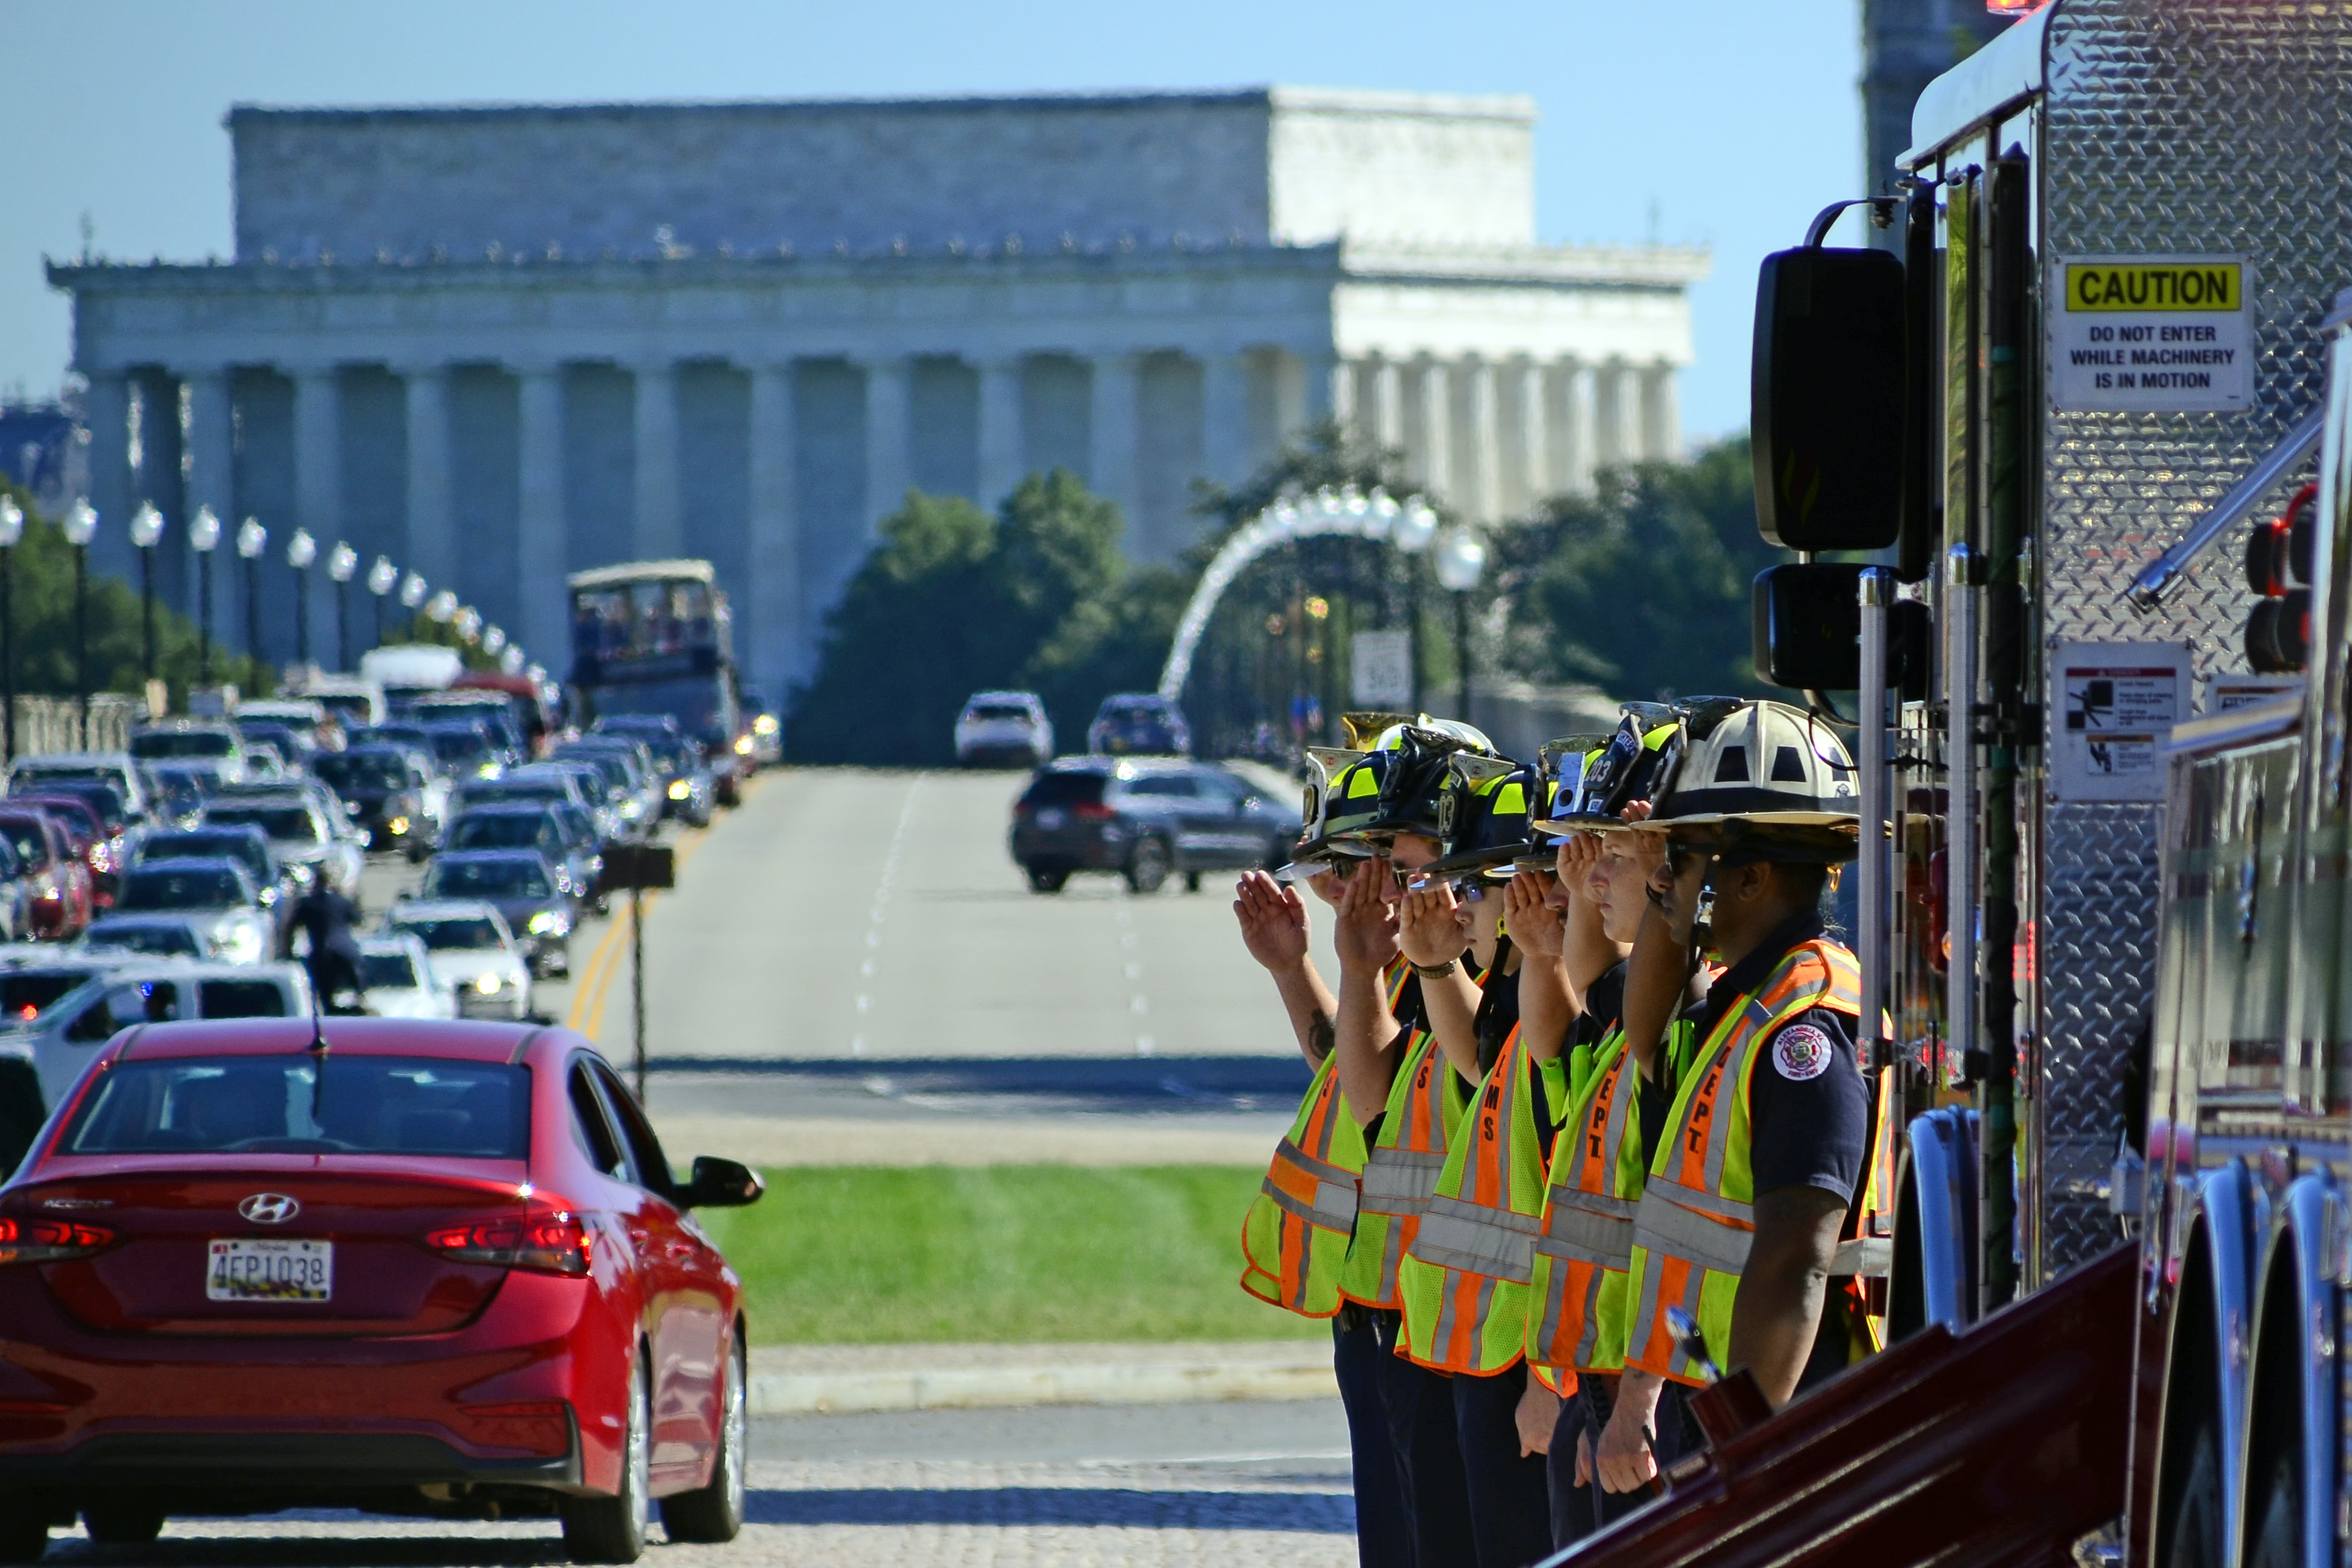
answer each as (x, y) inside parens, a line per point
(1726, 122)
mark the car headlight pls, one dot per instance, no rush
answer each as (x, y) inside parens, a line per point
(548, 922)
(765, 725)
(396, 827)
(742, 745)
(487, 985)
(679, 789)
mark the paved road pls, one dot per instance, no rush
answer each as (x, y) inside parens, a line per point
(1204, 1484)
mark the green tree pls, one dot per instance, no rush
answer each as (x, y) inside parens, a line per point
(952, 601)
(41, 571)
(1644, 588)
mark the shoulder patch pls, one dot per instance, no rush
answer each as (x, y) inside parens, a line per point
(1801, 1051)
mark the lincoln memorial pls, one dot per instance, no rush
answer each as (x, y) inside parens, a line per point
(500, 343)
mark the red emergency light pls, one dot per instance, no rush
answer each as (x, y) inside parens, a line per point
(2014, 7)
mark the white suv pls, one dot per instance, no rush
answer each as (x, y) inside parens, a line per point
(998, 728)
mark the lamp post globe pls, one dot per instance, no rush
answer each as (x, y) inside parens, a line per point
(1461, 561)
(511, 661)
(252, 538)
(146, 532)
(382, 578)
(302, 549)
(204, 537)
(413, 590)
(494, 639)
(342, 564)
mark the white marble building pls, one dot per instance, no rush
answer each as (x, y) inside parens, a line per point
(500, 343)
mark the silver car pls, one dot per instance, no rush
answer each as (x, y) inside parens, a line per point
(309, 842)
(471, 947)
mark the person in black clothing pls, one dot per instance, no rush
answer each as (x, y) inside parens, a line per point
(325, 918)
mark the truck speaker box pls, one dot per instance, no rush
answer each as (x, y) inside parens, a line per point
(1826, 392)
(1808, 631)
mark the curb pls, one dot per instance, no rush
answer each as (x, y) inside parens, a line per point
(975, 1389)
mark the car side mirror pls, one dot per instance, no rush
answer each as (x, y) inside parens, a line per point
(719, 1184)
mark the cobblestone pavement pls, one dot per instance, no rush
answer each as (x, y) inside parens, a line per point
(1167, 1509)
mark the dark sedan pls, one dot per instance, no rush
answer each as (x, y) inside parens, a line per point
(529, 825)
(383, 794)
(524, 887)
(1145, 820)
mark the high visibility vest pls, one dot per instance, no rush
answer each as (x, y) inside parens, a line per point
(1576, 1303)
(1465, 1275)
(1401, 1170)
(1295, 1236)
(1697, 1215)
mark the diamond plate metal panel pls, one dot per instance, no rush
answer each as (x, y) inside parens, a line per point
(2196, 126)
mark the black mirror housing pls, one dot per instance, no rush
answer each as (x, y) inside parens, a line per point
(1825, 399)
(719, 1183)
(1808, 631)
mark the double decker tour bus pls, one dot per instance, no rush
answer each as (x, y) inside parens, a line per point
(656, 637)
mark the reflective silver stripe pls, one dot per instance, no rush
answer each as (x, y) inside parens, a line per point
(1589, 1236)
(1718, 1132)
(1289, 1153)
(1399, 1181)
(1664, 1227)
(1868, 1255)
(1334, 1207)
(1706, 1202)
(1477, 1239)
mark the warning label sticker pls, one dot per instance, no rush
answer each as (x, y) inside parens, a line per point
(2152, 332)
(2117, 703)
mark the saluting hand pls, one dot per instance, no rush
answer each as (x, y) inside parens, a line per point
(1537, 928)
(1365, 934)
(1433, 928)
(1274, 926)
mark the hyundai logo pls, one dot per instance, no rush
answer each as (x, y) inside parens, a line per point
(270, 1208)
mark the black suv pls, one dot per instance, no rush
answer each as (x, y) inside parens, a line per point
(1145, 819)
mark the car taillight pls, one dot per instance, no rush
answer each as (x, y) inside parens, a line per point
(49, 1240)
(1093, 811)
(548, 1243)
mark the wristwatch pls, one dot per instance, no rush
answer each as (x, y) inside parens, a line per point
(1437, 971)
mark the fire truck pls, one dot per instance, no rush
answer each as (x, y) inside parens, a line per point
(2061, 465)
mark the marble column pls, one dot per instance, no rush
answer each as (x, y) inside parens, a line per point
(1386, 423)
(108, 408)
(1576, 433)
(211, 449)
(1483, 481)
(1662, 435)
(1433, 446)
(1331, 393)
(889, 463)
(430, 529)
(317, 500)
(1001, 465)
(1613, 439)
(660, 531)
(1528, 422)
(777, 619)
(1224, 417)
(542, 551)
(1113, 426)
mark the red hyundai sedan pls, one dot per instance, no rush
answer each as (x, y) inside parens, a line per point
(434, 1269)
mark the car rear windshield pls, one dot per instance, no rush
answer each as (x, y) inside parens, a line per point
(1064, 790)
(387, 971)
(999, 710)
(486, 879)
(166, 745)
(460, 745)
(457, 935)
(365, 1105)
(195, 889)
(196, 845)
(361, 770)
(280, 822)
(140, 936)
(243, 999)
(496, 830)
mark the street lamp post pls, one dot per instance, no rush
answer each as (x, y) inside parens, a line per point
(252, 538)
(203, 537)
(1461, 561)
(342, 562)
(413, 589)
(381, 578)
(146, 532)
(12, 528)
(300, 551)
(80, 528)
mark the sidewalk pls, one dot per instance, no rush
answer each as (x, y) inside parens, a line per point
(800, 1380)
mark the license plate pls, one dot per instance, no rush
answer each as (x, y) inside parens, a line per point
(1050, 819)
(252, 1270)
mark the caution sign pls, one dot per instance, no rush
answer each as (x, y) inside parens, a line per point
(2115, 706)
(2152, 332)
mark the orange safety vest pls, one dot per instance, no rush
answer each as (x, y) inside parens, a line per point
(1587, 1235)
(1401, 1170)
(1697, 1216)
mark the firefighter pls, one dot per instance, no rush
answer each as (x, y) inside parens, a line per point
(1765, 1129)
(1295, 1239)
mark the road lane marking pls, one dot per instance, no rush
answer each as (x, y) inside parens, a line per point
(881, 904)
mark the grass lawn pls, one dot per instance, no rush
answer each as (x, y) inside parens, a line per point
(879, 1255)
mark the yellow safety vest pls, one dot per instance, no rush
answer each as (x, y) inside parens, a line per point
(1696, 1214)
(1465, 1275)
(1401, 1170)
(1576, 1306)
